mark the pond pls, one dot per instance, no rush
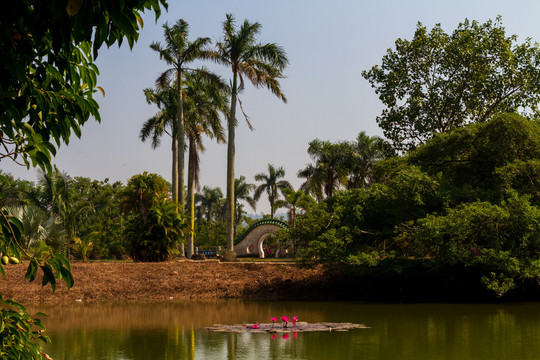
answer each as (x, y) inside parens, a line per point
(173, 330)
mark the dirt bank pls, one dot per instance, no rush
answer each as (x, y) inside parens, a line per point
(175, 280)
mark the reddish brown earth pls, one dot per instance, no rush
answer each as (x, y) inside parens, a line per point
(178, 280)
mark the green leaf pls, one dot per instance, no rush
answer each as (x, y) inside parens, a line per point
(32, 270)
(48, 276)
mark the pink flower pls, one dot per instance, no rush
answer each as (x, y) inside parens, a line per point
(273, 321)
(255, 326)
(285, 320)
(294, 320)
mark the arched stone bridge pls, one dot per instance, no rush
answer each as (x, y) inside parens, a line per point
(251, 242)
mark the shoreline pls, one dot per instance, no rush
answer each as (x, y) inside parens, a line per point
(172, 280)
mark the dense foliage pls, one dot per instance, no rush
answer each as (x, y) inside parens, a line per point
(438, 81)
(468, 199)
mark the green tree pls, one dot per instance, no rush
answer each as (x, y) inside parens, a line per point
(366, 151)
(157, 226)
(164, 122)
(262, 64)
(205, 99)
(272, 186)
(47, 74)
(242, 191)
(47, 80)
(438, 81)
(208, 201)
(329, 172)
(178, 52)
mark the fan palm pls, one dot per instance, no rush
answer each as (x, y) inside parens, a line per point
(178, 52)
(272, 185)
(262, 64)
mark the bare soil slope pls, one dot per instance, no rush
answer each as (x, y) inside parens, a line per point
(178, 280)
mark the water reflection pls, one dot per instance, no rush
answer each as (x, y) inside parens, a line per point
(176, 331)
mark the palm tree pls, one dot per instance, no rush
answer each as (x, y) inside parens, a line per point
(262, 64)
(164, 122)
(57, 196)
(178, 52)
(329, 171)
(242, 191)
(208, 201)
(295, 200)
(38, 226)
(272, 185)
(205, 98)
(365, 152)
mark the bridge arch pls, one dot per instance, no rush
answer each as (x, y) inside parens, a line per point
(251, 241)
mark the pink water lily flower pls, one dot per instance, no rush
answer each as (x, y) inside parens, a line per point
(255, 326)
(274, 319)
(294, 320)
(285, 320)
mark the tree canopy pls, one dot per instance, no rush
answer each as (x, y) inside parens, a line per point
(438, 81)
(47, 73)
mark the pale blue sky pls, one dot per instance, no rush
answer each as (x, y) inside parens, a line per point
(328, 45)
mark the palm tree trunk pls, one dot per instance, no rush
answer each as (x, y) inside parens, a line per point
(191, 196)
(230, 167)
(174, 167)
(181, 145)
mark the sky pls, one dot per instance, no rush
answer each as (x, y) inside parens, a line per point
(328, 45)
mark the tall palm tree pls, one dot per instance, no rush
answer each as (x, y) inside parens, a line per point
(164, 122)
(178, 52)
(205, 98)
(262, 64)
(242, 191)
(272, 185)
(329, 171)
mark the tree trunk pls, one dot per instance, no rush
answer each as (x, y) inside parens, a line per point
(230, 167)
(174, 165)
(181, 145)
(191, 197)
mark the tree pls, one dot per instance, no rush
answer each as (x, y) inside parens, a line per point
(365, 152)
(178, 52)
(208, 201)
(439, 81)
(47, 74)
(296, 200)
(272, 186)
(329, 171)
(205, 98)
(47, 79)
(263, 65)
(242, 191)
(164, 122)
(157, 226)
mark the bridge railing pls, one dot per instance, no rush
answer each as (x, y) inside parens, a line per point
(209, 251)
(259, 223)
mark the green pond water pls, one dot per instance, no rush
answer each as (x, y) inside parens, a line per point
(172, 330)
